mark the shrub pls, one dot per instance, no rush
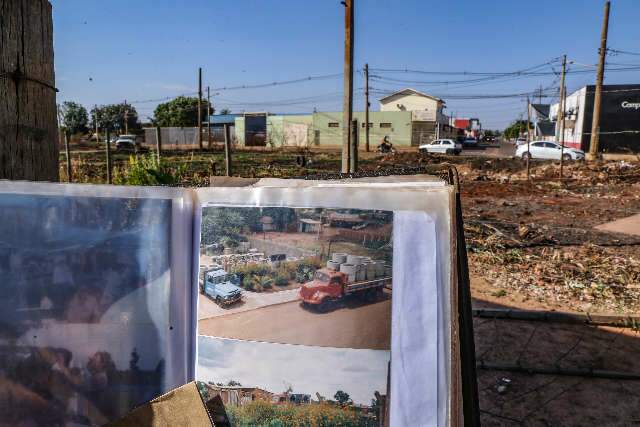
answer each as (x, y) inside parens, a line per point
(282, 279)
(145, 170)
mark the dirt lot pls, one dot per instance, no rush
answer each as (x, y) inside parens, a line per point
(532, 245)
(351, 325)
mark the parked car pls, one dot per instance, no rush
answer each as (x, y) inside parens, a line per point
(444, 146)
(127, 143)
(548, 150)
(521, 141)
(470, 142)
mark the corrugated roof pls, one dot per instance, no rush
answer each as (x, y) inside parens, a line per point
(221, 119)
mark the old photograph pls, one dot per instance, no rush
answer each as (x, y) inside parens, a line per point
(297, 276)
(82, 307)
(281, 384)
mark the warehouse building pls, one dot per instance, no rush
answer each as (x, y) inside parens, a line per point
(619, 118)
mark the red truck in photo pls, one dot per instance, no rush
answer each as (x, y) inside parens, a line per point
(329, 286)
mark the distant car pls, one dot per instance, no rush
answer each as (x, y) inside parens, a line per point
(126, 143)
(489, 139)
(443, 146)
(470, 142)
(521, 141)
(548, 150)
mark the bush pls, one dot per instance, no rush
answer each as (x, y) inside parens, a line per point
(265, 414)
(145, 170)
(282, 279)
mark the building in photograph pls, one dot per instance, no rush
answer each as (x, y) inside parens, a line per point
(238, 395)
(619, 118)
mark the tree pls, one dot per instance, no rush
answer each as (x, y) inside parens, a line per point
(74, 117)
(112, 117)
(516, 128)
(180, 112)
(221, 224)
(225, 111)
(342, 398)
(233, 383)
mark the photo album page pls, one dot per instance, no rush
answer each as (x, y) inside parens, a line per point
(321, 302)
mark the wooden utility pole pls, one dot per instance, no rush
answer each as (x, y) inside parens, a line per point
(95, 117)
(595, 124)
(366, 107)
(108, 157)
(200, 108)
(528, 139)
(353, 154)
(561, 109)
(347, 106)
(159, 143)
(29, 137)
(68, 154)
(227, 149)
(126, 118)
(208, 117)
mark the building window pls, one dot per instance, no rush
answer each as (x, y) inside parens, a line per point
(370, 125)
(385, 125)
(334, 124)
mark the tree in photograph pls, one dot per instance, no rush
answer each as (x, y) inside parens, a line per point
(516, 129)
(342, 398)
(225, 111)
(221, 225)
(112, 117)
(180, 112)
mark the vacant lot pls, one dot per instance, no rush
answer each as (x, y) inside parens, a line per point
(532, 245)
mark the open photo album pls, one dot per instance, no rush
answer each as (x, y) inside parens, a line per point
(288, 301)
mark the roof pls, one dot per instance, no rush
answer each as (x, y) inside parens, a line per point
(309, 221)
(409, 91)
(461, 123)
(546, 128)
(222, 119)
(542, 109)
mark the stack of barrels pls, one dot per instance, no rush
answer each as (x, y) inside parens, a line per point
(357, 268)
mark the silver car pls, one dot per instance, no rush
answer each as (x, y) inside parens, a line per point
(548, 150)
(443, 146)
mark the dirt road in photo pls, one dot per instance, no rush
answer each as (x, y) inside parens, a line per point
(352, 325)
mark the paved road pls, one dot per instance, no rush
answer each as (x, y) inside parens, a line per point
(352, 325)
(502, 149)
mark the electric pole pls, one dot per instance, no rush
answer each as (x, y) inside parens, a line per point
(200, 108)
(347, 107)
(126, 118)
(561, 109)
(528, 138)
(540, 95)
(366, 107)
(209, 112)
(595, 125)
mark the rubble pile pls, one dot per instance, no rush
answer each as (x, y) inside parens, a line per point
(596, 277)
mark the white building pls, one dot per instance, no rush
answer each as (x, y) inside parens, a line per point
(427, 113)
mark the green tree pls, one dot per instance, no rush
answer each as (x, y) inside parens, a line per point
(225, 111)
(74, 117)
(112, 117)
(221, 224)
(180, 112)
(342, 398)
(516, 128)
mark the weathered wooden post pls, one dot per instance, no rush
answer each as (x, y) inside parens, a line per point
(29, 139)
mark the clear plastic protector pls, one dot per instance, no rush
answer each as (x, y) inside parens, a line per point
(420, 321)
(95, 300)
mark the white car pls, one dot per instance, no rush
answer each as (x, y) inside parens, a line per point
(443, 146)
(548, 150)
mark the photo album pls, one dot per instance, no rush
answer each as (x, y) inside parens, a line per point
(287, 301)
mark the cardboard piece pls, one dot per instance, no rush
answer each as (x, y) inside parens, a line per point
(182, 406)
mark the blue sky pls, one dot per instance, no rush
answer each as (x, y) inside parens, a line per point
(109, 51)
